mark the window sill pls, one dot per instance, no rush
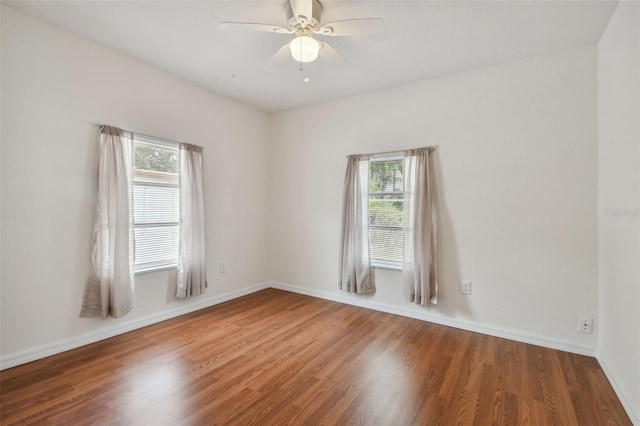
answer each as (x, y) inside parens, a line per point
(384, 265)
(155, 269)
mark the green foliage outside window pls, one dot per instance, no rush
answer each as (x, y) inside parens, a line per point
(149, 157)
(385, 189)
(386, 176)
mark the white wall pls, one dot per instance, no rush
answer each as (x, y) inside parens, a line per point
(516, 168)
(0, 168)
(618, 203)
(56, 87)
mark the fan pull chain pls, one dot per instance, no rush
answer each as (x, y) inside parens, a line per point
(301, 66)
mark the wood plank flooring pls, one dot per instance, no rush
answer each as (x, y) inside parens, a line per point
(275, 357)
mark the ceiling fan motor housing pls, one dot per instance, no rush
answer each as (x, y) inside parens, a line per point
(305, 20)
(310, 23)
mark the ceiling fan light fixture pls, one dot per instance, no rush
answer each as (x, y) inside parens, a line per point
(304, 49)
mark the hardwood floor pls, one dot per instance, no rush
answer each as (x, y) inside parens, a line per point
(282, 358)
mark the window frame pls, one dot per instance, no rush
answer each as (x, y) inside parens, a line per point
(169, 182)
(386, 157)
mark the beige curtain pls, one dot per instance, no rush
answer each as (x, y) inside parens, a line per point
(109, 290)
(420, 229)
(191, 276)
(356, 274)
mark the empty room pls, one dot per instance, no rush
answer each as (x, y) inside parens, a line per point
(332, 212)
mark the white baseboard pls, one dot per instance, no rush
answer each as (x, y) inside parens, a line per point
(516, 335)
(632, 409)
(53, 348)
(32, 354)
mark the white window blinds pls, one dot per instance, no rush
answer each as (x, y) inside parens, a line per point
(156, 203)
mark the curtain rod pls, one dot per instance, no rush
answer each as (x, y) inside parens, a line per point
(394, 151)
(147, 136)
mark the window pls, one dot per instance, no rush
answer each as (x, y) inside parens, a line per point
(386, 211)
(156, 203)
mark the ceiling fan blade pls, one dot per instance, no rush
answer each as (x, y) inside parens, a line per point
(329, 54)
(250, 26)
(302, 8)
(279, 58)
(353, 27)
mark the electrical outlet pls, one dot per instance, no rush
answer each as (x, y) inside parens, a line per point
(223, 267)
(585, 324)
(465, 287)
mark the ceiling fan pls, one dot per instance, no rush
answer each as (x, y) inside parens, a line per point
(304, 18)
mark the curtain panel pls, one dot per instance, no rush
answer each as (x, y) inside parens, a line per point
(191, 274)
(109, 289)
(420, 228)
(356, 273)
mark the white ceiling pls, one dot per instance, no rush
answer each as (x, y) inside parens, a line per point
(423, 39)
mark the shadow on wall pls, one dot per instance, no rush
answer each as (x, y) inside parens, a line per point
(172, 286)
(451, 302)
(87, 215)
